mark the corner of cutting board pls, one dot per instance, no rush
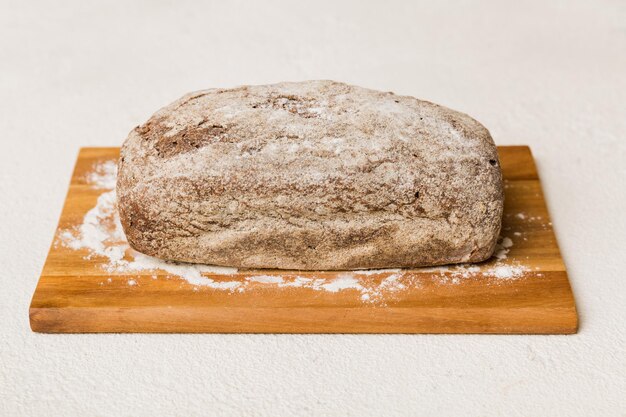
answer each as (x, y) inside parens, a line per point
(37, 323)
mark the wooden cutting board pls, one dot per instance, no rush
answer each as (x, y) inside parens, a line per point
(75, 294)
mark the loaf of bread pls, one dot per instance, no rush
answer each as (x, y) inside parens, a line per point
(310, 175)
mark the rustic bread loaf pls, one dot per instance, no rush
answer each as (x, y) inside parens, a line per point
(310, 175)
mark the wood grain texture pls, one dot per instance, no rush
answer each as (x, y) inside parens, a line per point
(70, 296)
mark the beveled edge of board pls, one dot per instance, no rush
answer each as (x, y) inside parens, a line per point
(51, 319)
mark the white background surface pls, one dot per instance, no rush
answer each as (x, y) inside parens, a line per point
(548, 74)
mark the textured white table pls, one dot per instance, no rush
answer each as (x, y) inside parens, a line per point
(547, 74)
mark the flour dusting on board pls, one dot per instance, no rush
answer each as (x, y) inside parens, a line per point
(101, 235)
(103, 175)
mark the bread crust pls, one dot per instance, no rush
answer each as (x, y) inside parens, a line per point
(315, 175)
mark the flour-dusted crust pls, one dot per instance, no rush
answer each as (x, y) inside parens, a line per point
(310, 175)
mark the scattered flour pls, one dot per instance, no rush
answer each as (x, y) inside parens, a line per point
(101, 235)
(343, 282)
(506, 271)
(299, 282)
(103, 176)
(267, 279)
(372, 291)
